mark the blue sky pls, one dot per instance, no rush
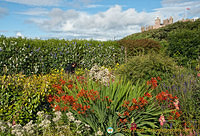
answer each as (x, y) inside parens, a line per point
(88, 19)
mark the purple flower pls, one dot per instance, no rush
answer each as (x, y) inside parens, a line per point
(171, 125)
(38, 49)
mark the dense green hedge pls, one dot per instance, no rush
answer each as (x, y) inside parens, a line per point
(139, 46)
(185, 46)
(40, 56)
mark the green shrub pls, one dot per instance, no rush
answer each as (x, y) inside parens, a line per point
(40, 56)
(135, 47)
(21, 96)
(147, 66)
(185, 46)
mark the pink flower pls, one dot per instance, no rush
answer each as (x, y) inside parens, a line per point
(13, 123)
(198, 74)
(176, 104)
(162, 120)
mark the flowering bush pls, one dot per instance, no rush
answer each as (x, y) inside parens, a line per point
(119, 105)
(100, 74)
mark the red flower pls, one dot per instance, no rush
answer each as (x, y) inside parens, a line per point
(177, 114)
(134, 101)
(57, 108)
(50, 98)
(158, 78)
(62, 81)
(152, 82)
(148, 94)
(69, 86)
(126, 113)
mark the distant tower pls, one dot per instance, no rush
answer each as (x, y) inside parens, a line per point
(171, 20)
(157, 22)
(142, 28)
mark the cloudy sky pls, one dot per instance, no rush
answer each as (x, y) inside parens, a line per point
(88, 19)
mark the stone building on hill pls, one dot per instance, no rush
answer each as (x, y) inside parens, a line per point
(157, 24)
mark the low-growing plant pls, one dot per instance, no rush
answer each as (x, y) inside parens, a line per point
(186, 87)
(117, 105)
(22, 96)
(150, 65)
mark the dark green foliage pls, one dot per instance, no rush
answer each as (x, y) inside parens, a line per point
(147, 66)
(40, 56)
(135, 47)
(185, 46)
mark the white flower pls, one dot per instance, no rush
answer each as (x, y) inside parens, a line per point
(45, 123)
(58, 116)
(56, 119)
(99, 133)
(3, 128)
(69, 114)
(78, 132)
(9, 124)
(86, 125)
(40, 113)
(58, 113)
(29, 126)
(78, 122)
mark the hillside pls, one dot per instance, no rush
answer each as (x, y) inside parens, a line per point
(163, 32)
(180, 40)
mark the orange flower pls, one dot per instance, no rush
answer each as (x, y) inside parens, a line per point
(62, 81)
(177, 114)
(126, 113)
(50, 98)
(69, 86)
(57, 108)
(158, 78)
(148, 94)
(134, 101)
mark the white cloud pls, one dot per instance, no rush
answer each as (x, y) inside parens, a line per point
(37, 2)
(53, 3)
(178, 8)
(114, 22)
(19, 34)
(34, 12)
(94, 6)
(3, 11)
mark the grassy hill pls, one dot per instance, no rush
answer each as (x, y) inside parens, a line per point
(163, 32)
(180, 40)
